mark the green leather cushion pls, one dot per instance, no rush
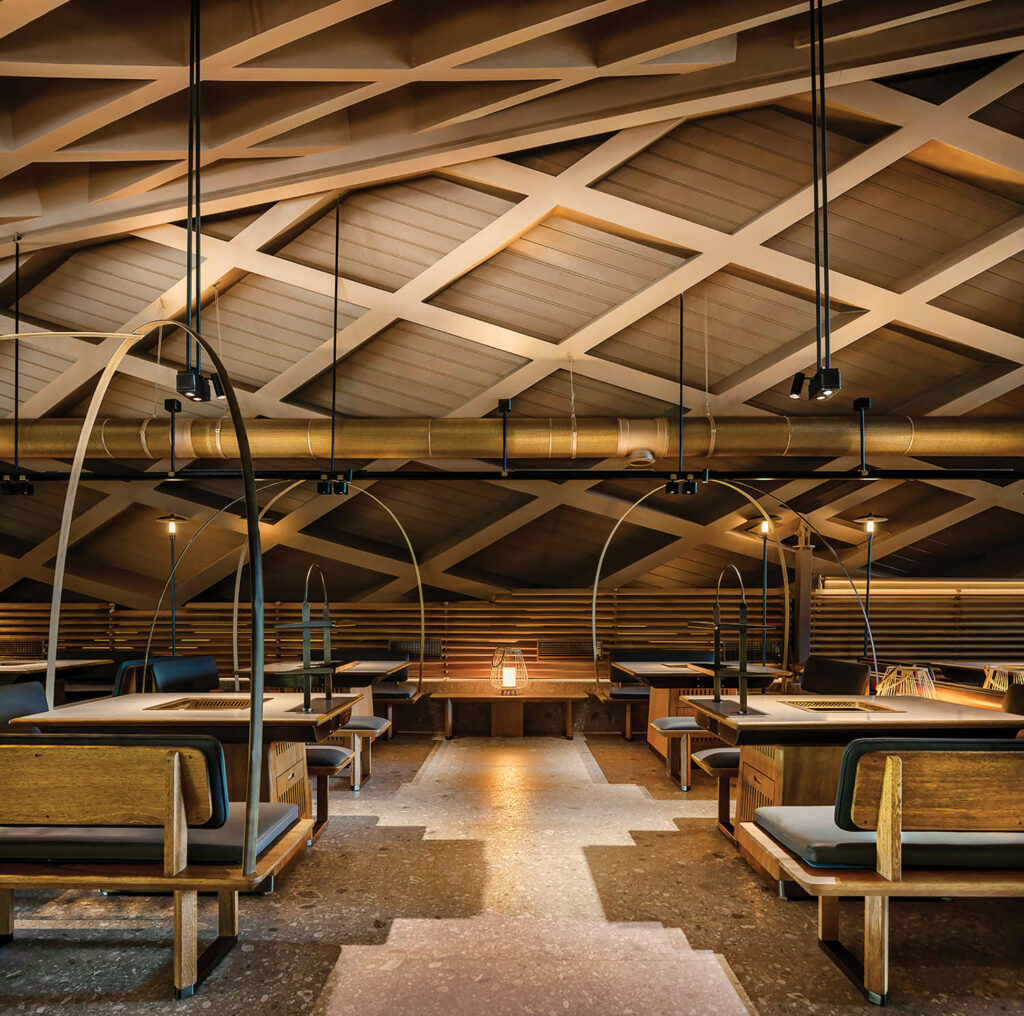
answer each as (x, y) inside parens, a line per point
(372, 724)
(668, 724)
(326, 755)
(719, 758)
(133, 844)
(812, 834)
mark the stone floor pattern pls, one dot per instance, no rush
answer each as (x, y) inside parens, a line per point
(431, 869)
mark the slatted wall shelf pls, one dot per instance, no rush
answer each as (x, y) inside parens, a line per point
(468, 631)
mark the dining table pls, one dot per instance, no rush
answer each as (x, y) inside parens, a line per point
(15, 670)
(791, 745)
(287, 729)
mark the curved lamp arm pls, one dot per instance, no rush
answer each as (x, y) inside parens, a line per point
(824, 539)
(640, 501)
(416, 571)
(323, 581)
(181, 556)
(129, 339)
(238, 577)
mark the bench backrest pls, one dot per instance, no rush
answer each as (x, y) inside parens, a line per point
(185, 673)
(21, 699)
(825, 676)
(109, 780)
(946, 784)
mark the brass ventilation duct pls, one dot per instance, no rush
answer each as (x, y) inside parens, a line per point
(584, 438)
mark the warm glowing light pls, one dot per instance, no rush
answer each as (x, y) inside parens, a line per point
(870, 526)
(508, 677)
(765, 526)
(172, 527)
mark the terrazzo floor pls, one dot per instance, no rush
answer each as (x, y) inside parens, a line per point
(584, 831)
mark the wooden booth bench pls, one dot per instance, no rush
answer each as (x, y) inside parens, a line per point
(913, 818)
(137, 813)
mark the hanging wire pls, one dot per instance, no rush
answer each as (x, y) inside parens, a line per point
(334, 328)
(707, 386)
(216, 314)
(572, 389)
(17, 348)
(156, 384)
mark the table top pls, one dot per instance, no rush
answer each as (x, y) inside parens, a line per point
(296, 667)
(477, 696)
(655, 667)
(799, 719)
(283, 718)
(756, 669)
(39, 666)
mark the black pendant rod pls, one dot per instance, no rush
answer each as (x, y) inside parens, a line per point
(823, 142)
(815, 173)
(681, 325)
(334, 328)
(17, 348)
(197, 216)
(190, 164)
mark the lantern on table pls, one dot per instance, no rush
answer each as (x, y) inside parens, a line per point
(508, 670)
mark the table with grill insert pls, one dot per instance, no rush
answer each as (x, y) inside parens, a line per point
(286, 729)
(791, 745)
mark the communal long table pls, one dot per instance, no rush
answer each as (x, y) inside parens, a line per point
(286, 729)
(791, 745)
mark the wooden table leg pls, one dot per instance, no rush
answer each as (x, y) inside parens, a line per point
(448, 711)
(6, 916)
(507, 717)
(876, 948)
(568, 719)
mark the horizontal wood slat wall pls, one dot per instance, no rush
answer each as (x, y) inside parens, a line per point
(922, 626)
(468, 630)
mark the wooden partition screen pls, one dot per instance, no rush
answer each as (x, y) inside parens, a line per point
(918, 623)
(552, 627)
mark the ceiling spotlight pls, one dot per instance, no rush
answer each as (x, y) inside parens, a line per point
(218, 388)
(825, 383)
(192, 385)
(797, 387)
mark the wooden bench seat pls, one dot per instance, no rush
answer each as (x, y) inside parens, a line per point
(913, 817)
(138, 813)
(678, 731)
(358, 735)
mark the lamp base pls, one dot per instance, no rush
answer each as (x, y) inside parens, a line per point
(509, 691)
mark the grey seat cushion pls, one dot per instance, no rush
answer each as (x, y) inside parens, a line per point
(373, 724)
(135, 844)
(719, 758)
(327, 755)
(383, 692)
(670, 724)
(812, 834)
(630, 691)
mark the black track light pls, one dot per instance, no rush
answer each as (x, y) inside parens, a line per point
(218, 388)
(797, 387)
(825, 383)
(192, 385)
